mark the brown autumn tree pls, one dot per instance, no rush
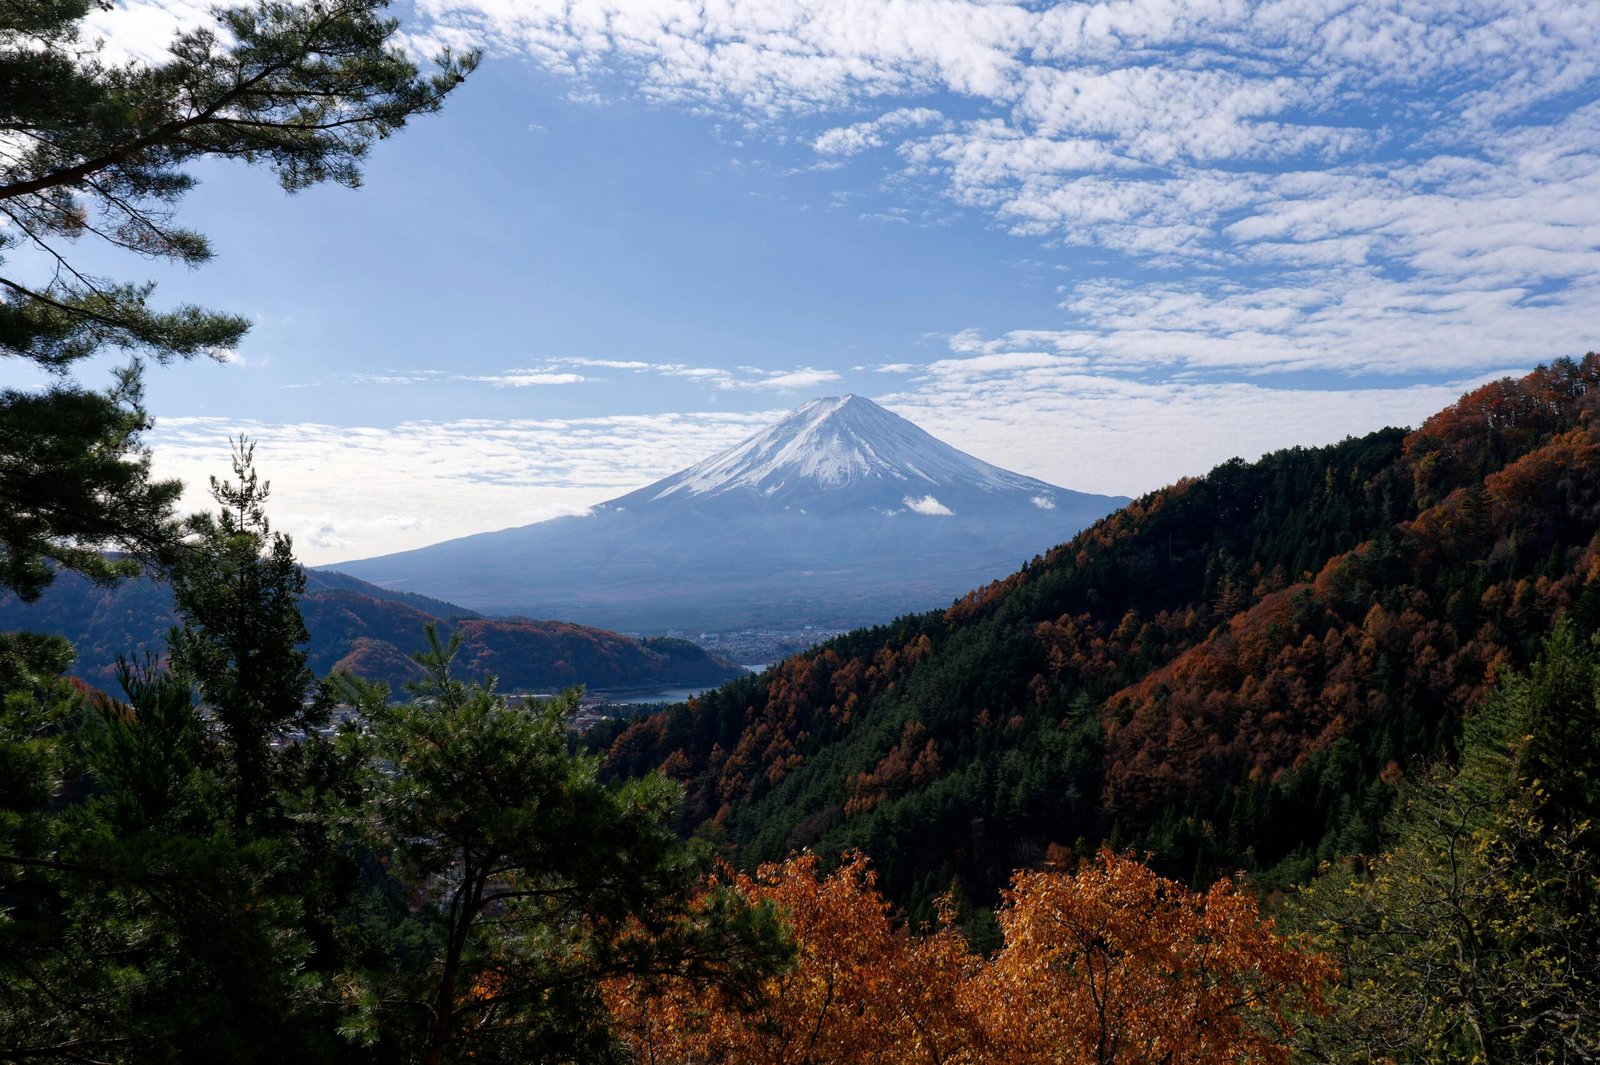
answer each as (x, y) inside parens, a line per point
(1113, 964)
(860, 991)
(1117, 964)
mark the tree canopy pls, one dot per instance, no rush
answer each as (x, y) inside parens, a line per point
(542, 880)
(96, 151)
(237, 589)
(1474, 935)
(1109, 964)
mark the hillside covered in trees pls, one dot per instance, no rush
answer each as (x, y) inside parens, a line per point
(372, 632)
(1231, 672)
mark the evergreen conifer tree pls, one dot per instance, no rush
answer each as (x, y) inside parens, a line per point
(237, 588)
(96, 151)
(537, 879)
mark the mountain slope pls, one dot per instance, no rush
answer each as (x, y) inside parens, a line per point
(1225, 673)
(841, 513)
(372, 632)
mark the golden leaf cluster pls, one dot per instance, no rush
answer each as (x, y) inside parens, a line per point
(1110, 964)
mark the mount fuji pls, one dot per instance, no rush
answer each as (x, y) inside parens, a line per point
(840, 514)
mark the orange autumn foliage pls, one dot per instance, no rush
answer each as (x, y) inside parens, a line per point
(911, 764)
(1117, 964)
(1112, 964)
(860, 991)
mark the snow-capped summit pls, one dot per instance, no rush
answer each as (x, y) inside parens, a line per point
(841, 513)
(842, 451)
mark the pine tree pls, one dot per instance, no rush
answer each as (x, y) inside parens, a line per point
(237, 589)
(539, 880)
(172, 888)
(97, 151)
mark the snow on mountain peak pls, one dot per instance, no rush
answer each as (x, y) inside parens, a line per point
(832, 443)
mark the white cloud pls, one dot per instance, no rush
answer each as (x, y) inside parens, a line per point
(143, 29)
(788, 381)
(1101, 433)
(927, 505)
(1356, 321)
(1359, 169)
(557, 371)
(519, 378)
(232, 357)
(340, 532)
(848, 140)
(353, 491)
(736, 378)
(527, 379)
(609, 364)
(392, 378)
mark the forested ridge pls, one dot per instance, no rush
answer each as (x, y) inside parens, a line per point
(1228, 673)
(359, 628)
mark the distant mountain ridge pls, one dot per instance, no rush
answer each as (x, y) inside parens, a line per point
(372, 632)
(841, 513)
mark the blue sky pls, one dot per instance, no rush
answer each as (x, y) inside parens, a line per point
(1106, 245)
